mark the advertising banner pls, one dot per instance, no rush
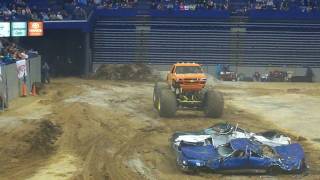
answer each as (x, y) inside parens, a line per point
(18, 29)
(4, 29)
(35, 29)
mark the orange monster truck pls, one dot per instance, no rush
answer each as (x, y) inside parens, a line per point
(186, 88)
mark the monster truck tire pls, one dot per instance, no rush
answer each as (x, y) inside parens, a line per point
(167, 104)
(214, 104)
(156, 92)
(5, 105)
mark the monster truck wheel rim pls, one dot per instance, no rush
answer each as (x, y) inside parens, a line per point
(154, 97)
(159, 105)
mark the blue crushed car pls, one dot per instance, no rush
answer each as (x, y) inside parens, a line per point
(241, 153)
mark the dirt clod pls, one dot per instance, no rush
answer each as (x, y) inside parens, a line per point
(42, 140)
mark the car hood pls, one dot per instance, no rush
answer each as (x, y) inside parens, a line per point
(191, 76)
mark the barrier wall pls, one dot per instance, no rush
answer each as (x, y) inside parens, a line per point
(245, 70)
(10, 85)
(249, 71)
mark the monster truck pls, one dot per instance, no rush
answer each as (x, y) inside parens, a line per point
(186, 88)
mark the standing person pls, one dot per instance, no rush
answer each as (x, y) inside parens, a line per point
(309, 74)
(45, 73)
(1, 46)
(218, 71)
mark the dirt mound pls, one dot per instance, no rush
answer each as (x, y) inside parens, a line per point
(42, 140)
(136, 72)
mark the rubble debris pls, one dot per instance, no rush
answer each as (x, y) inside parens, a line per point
(136, 72)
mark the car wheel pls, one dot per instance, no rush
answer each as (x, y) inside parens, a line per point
(302, 167)
(187, 169)
(273, 170)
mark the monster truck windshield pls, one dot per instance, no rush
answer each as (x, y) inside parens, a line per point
(188, 70)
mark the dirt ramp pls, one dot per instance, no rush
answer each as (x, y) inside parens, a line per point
(136, 72)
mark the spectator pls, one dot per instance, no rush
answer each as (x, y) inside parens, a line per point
(23, 54)
(1, 46)
(45, 73)
(59, 16)
(309, 74)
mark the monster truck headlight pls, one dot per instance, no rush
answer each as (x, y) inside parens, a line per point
(203, 80)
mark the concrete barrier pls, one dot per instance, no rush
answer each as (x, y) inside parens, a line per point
(10, 85)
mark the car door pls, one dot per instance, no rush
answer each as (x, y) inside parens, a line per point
(238, 160)
(257, 161)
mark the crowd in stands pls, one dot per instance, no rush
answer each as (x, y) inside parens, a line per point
(114, 4)
(11, 10)
(285, 5)
(10, 52)
(238, 5)
(189, 5)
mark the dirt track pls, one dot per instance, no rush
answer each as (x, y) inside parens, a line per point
(109, 130)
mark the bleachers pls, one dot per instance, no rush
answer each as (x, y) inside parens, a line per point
(209, 42)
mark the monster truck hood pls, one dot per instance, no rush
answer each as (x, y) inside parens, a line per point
(191, 76)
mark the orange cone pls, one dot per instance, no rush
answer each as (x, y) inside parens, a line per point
(34, 90)
(24, 90)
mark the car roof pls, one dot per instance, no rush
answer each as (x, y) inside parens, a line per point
(244, 144)
(187, 64)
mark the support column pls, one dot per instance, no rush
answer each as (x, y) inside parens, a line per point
(87, 54)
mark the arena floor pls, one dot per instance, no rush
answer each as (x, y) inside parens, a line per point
(90, 129)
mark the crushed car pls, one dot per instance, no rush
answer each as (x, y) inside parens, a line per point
(241, 153)
(223, 133)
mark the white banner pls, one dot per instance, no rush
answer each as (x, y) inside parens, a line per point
(4, 29)
(21, 68)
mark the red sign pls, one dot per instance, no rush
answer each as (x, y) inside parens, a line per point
(35, 29)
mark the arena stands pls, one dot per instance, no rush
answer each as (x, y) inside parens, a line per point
(37, 10)
(237, 6)
(114, 4)
(189, 5)
(80, 9)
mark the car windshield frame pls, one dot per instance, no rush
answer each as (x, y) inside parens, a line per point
(188, 70)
